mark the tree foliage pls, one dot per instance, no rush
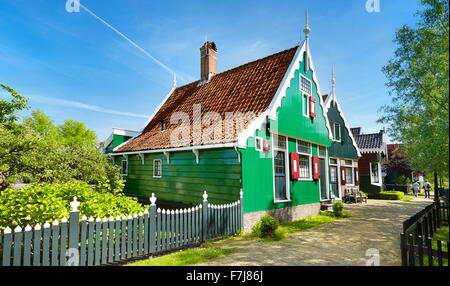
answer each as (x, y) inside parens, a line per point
(42, 203)
(418, 82)
(8, 108)
(38, 151)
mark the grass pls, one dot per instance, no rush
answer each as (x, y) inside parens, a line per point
(407, 199)
(286, 229)
(185, 257)
(441, 234)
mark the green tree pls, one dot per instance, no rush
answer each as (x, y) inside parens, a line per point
(74, 133)
(418, 82)
(9, 108)
(41, 123)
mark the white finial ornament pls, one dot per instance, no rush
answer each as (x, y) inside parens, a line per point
(307, 30)
(75, 204)
(153, 199)
(205, 196)
(333, 83)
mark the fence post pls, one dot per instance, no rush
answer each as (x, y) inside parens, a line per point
(241, 213)
(7, 238)
(152, 237)
(205, 215)
(403, 250)
(74, 231)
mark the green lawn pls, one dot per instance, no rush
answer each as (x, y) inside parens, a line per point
(441, 234)
(288, 228)
(184, 257)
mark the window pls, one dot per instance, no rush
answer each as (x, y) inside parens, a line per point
(349, 176)
(348, 162)
(157, 168)
(322, 151)
(333, 161)
(163, 125)
(258, 144)
(304, 149)
(124, 167)
(281, 142)
(374, 173)
(336, 130)
(305, 85)
(305, 88)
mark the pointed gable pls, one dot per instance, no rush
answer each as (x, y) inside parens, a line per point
(247, 88)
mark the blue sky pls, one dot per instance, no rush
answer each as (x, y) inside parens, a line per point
(72, 66)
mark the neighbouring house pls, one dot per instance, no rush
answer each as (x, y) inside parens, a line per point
(373, 152)
(343, 152)
(261, 128)
(118, 137)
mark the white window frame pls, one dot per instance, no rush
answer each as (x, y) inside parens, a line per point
(352, 167)
(379, 174)
(154, 164)
(286, 167)
(334, 132)
(121, 167)
(309, 159)
(261, 144)
(306, 97)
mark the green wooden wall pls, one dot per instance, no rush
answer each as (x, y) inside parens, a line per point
(257, 167)
(183, 180)
(345, 148)
(117, 140)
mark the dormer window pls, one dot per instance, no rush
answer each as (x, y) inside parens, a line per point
(163, 125)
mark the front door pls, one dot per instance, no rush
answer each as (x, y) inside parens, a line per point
(280, 175)
(323, 180)
(334, 181)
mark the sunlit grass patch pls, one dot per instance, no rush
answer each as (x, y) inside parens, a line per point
(185, 257)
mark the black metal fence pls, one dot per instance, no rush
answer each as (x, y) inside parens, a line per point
(416, 241)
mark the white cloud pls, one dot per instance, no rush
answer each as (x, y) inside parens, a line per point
(80, 105)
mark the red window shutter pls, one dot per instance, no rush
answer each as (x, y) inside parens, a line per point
(295, 166)
(266, 145)
(316, 168)
(312, 107)
(356, 176)
(343, 176)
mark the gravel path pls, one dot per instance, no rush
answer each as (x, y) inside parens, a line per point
(376, 225)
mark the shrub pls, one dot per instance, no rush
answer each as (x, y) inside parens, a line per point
(391, 195)
(42, 203)
(338, 209)
(266, 227)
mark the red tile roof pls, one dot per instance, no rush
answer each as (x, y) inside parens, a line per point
(247, 88)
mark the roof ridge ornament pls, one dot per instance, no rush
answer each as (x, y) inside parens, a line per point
(307, 29)
(333, 84)
(174, 80)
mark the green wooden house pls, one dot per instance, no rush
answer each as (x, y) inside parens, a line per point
(343, 152)
(261, 128)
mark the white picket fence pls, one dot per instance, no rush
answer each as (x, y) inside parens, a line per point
(89, 241)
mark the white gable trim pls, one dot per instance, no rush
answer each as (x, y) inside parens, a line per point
(271, 112)
(120, 132)
(328, 102)
(159, 107)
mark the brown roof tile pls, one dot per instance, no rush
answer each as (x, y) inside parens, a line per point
(247, 88)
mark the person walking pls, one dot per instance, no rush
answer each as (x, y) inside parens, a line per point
(427, 188)
(416, 188)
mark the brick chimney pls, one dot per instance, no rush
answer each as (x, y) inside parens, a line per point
(208, 61)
